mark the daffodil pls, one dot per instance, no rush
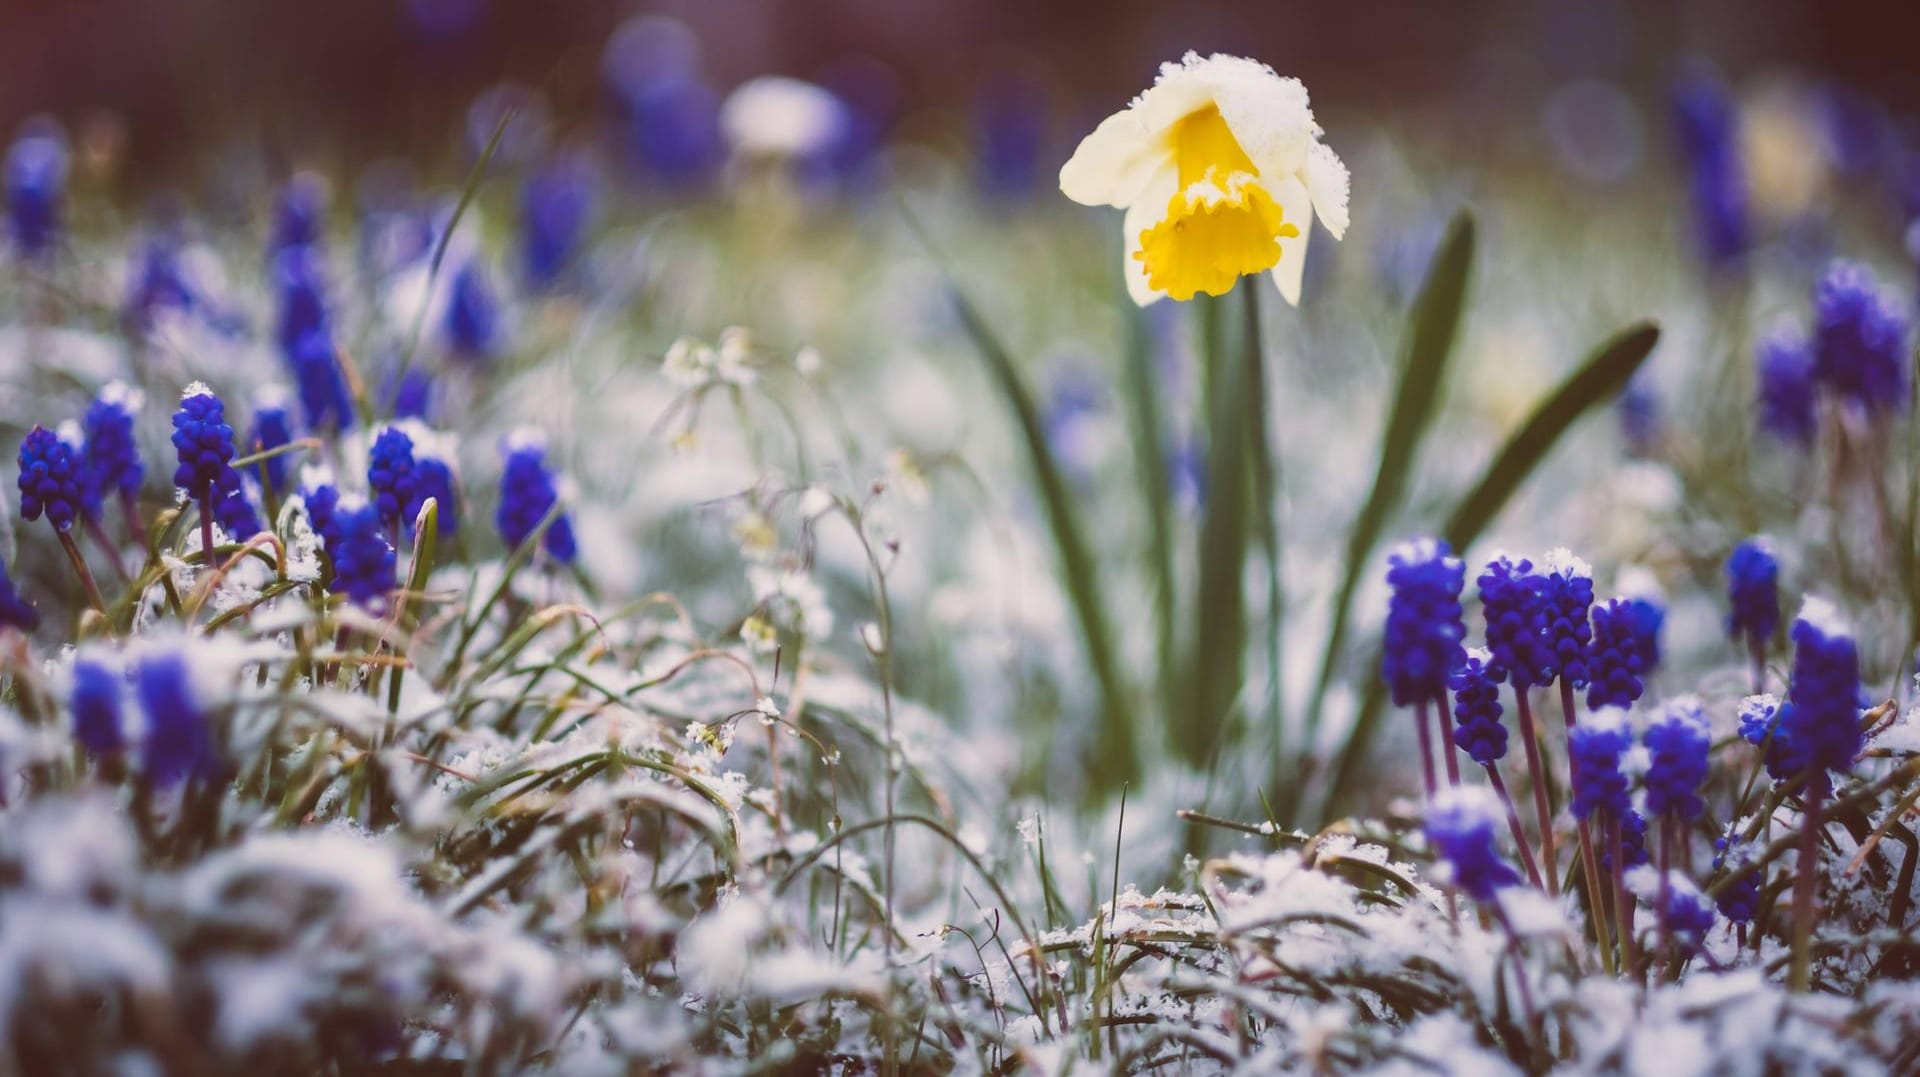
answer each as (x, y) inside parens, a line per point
(1220, 169)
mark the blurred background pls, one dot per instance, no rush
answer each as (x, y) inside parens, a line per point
(352, 79)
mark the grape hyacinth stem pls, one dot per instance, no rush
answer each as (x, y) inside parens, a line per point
(1537, 773)
(206, 530)
(81, 570)
(1814, 800)
(1596, 903)
(1513, 823)
(1660, 906)
(1446, 740)
(131, 508)
(99, 536)
(1757, 651)
(1622, 907)
(1422, 717)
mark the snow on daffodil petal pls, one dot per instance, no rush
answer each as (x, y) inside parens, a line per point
(1220, 169)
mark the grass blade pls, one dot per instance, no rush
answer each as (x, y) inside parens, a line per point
(1433, 326)
(1597, 381)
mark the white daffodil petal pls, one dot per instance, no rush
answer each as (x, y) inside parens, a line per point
(1267, 114)
(1146, 212)
(1176, 94)
(1111, 165)
(1298, 208)
(1327, 182)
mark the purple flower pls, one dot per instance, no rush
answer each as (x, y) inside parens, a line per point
(1424, 622)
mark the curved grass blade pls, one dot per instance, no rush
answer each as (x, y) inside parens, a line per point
(1597, 381)
(1433, 326)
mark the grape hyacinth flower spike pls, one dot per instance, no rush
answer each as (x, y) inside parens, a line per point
(1678, 742)
(1476, 705)
(1784, 365)
(393, 480)
(272, 429)
(1616, 657)
(473, 314)
(36, 190)
(204, 444)
(1860, 340)
(1460, 828)
(1753, 594)
(98, 703)
(1739, 899)
(51, 478)
(528, 493)
(1422, 639)
(113, 451)
(363, 560)
(179, 743)
(1513, 602)
(1596, 752)
(1820, 731)
(555, 207)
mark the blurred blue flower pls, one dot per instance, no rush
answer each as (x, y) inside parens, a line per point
(179, 737)
(436, 480)
(97, 702)
(1759, 715)
(1707, 122)
(666, 116)
(473, 314)
(15, 611)
(1739, 900)
(528, 491)
(363, 559)
(1860, 339)
(1784, 364)
(1753, 591)
(1821, 729)
(158, 282)
(299, 215)
(1689, 915)
(299, 281)
(325, 399)
(1566, 591)
(272, 428)
(113, 450)
(392, 481)
(555, 208)
(1012, 117)
(1640, 425)
(1461, 827)
(36, 190)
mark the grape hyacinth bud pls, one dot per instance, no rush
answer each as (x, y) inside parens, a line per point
(1460, 826)
(113, 451)
(1513, 601)
(1784, 364)
(1860, 339)
(272, 429)
(473, 314)
(50, 479)
(15, 612)
(1678, 741)
(1753, 588)
(1616, 657)
(1739, 900)
(528, 492)
(1476, 708)
(1567, 593)
(392, 479)
(1823, 724)
(1424, 623)
(97, 705)
(363, 559)
(36, 189)
(324, 397)
(554, 211)
(1596, 749)
(204, 444)
(179, 736)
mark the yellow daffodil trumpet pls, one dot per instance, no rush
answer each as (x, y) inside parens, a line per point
(1220, 169)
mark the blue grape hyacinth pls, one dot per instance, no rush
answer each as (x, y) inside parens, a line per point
(322, 500)
(1566, 586)
(437, 481)
(1860, 339)
(1678, 742)
(1425, 625)
(1476, 708)
(36, 191)
(113, 450)
(98, 701)
(1753, 592)
(299, 214)
(1461, 826)
(1616, 655)
(1512, 598)
(1821, 728)
(51, 476)
(1688, 914)
(1784, 364)
(159, 283)
(393, 480)
(363, 559)
(235, 514)
(1758, 716)
(528, 491)
(299, 282)
(203, 442)
(1596, 748)
(1633, 843)
(15, 612)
